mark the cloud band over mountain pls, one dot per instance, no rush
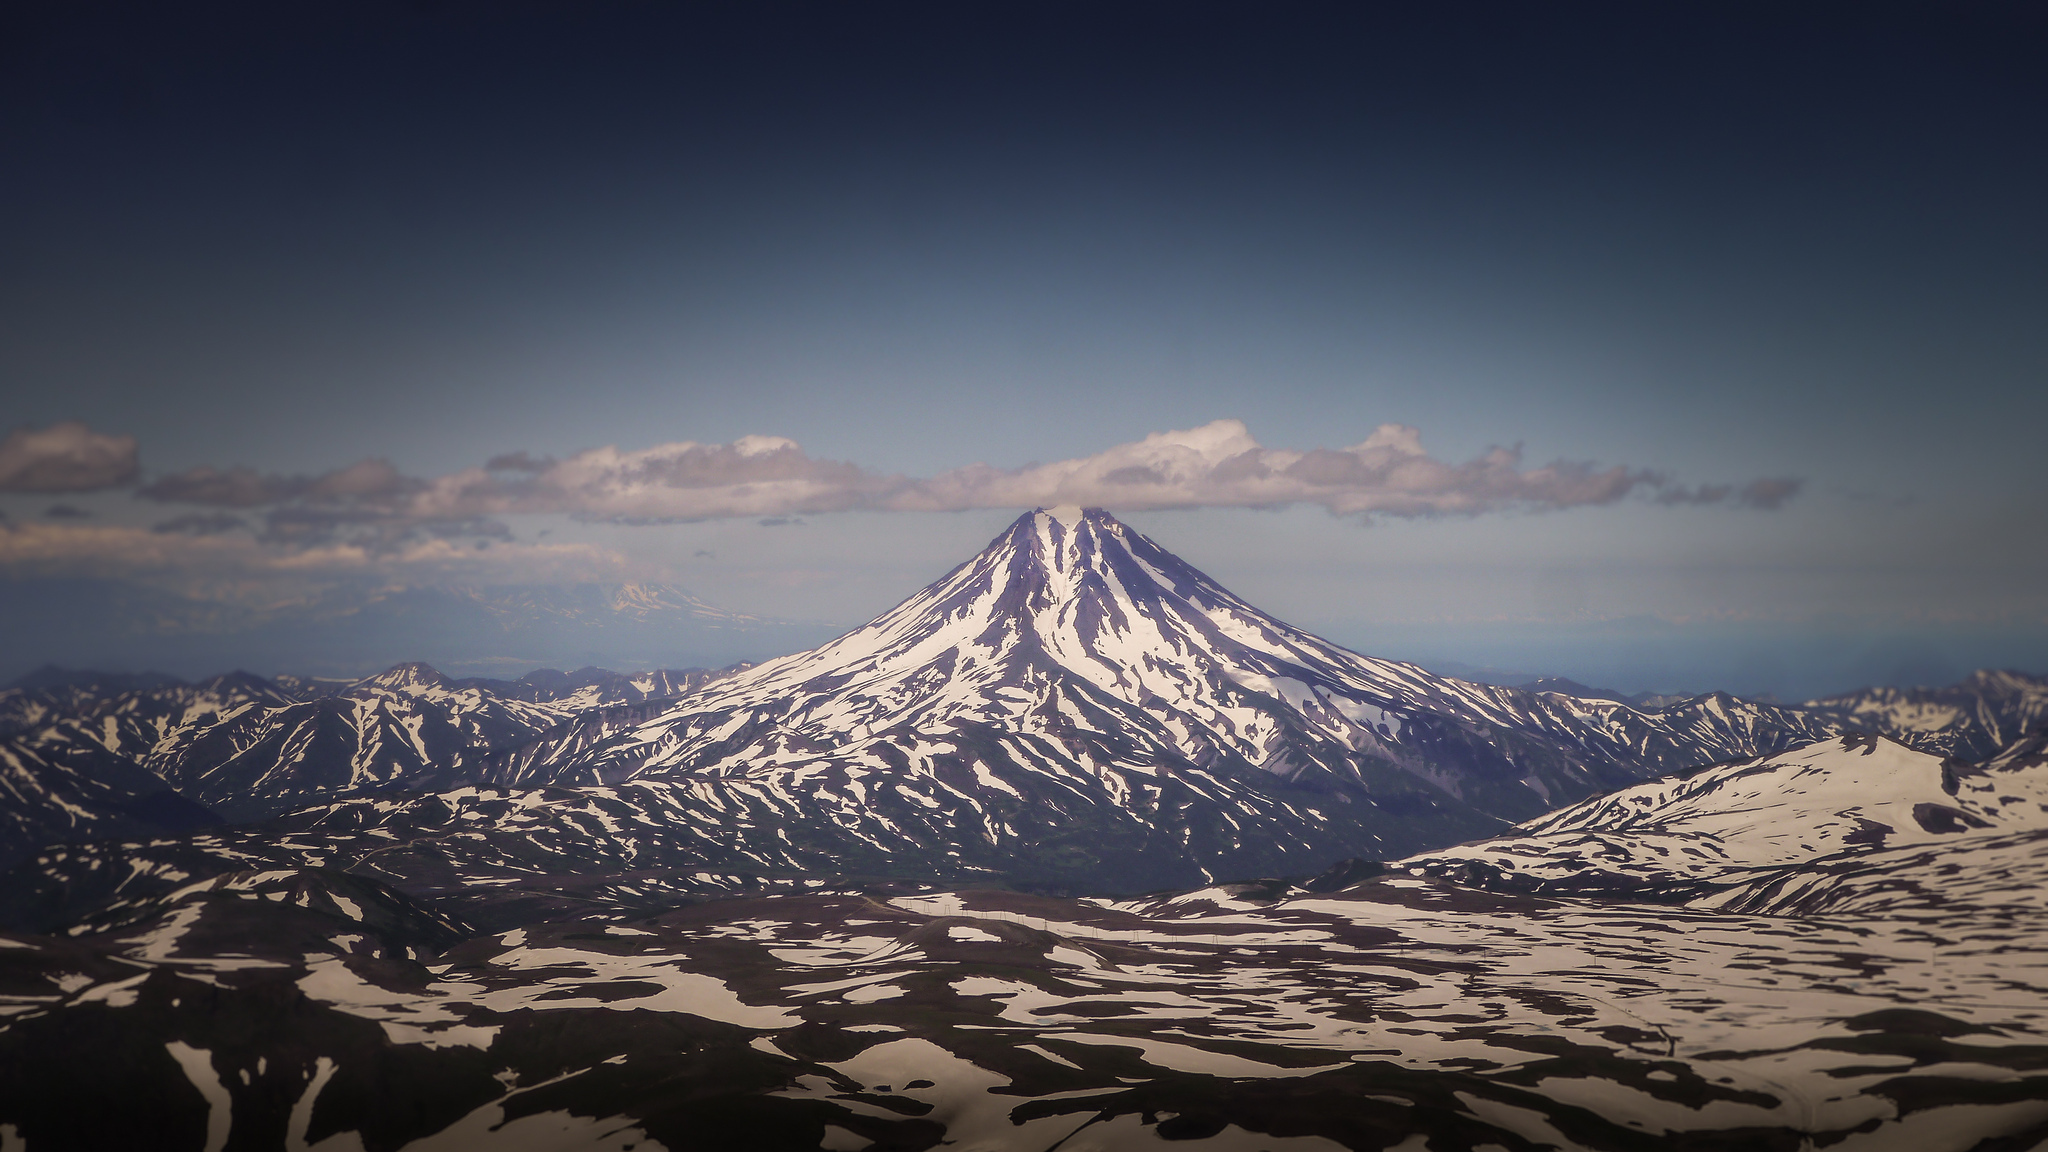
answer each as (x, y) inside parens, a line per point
(67, 457)
(371, 520)
(1218, 465)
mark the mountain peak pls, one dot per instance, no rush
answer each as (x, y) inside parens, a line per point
(1065, 520)
(411, 674)
(1069, 514)
(1064, 575)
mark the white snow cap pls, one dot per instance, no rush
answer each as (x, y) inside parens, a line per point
(1068, 514)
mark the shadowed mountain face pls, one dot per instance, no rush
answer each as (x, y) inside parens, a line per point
(91, 794)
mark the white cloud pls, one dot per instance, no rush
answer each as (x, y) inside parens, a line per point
(67, 457)
(373, 481)
(368, 525)
(1220, 465)
(752, 476)
(370, 518)
(228, 565)
(1216, 465)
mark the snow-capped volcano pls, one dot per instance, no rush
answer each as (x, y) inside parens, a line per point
(1066, 613)
(1075, 675)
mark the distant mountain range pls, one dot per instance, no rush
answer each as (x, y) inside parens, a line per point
(1076, 699)
(1980, 717)
(84, 748)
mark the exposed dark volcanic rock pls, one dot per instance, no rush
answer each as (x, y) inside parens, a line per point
(1074, 708)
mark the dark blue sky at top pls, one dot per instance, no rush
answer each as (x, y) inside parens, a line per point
(1722, 240)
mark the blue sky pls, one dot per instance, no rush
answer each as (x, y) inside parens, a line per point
(1715, 243)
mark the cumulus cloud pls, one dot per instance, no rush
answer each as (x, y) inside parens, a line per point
(261, 534)
(201, 524)
(373, 481)
(768, 478)
(1769, 494)
(754, 476)
(67, 457)
(369, 504)
(1389, 473)
(195, 554)
(1220, 465)
(229, 488)
(518, 462)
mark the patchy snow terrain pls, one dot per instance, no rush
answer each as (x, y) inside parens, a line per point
(1696, 835)
(1988, 711)
(287, 1008)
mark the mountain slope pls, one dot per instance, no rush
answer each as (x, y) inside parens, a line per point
(405, 727)
(1074, 708)
(1825, 811)
(598, 687)
(88, 794)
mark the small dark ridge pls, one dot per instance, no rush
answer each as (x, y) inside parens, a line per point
(1188, 1126)
(1913, 1022)
(1939, 818)
(170, 811)
(1343, 874)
